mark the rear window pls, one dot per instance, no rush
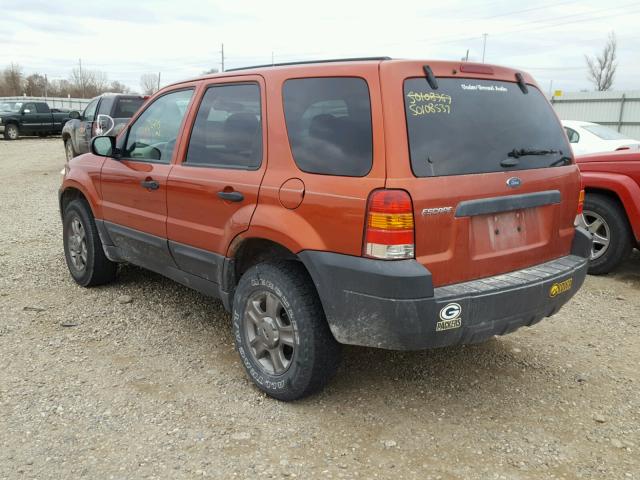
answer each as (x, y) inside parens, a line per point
(604, 133)
(470, 126)
(126, 107)
(329, 125)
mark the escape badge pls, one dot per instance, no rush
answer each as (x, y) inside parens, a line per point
(560, 287)
(450, 317)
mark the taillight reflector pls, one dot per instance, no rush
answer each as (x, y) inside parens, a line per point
(389, 230)
(580, 202)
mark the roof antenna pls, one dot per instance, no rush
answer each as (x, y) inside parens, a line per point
(431, 78)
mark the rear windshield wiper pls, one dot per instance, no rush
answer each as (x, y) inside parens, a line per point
(515, 154)
(523, 152)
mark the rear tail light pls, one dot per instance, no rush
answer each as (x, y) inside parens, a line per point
(389, 232)
(580, 202)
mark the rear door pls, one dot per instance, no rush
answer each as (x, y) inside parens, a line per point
(488, 167)
(213, 189)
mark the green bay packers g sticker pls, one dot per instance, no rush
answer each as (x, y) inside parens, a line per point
(449, 317)
(560, 287)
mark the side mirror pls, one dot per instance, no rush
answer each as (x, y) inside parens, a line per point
(103, 146)
(74, 115)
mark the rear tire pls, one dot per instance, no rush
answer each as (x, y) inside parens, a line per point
(607, 222)
(11, 132)
(281, 331)
(83, 251)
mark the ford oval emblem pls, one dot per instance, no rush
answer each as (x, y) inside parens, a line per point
(514, 182)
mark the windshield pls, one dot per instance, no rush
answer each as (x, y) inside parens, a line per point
(604, 133)
(10, 106)
(471, 126)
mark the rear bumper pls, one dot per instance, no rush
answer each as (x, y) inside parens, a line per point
(393, 304)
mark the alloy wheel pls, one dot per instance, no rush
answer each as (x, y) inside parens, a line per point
(600, 231)
(77, 244)
(269, 332)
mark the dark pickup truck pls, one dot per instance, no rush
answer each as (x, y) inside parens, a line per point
(106, 114)
(31, 118)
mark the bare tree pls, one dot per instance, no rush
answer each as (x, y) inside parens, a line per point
(35, 85)
(602, 68)
(13, 80)
(118, 87)
(149, 83)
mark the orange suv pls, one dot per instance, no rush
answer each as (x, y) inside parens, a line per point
(386, 203)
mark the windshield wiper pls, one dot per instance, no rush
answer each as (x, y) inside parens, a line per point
(515, 154)
(523, 152)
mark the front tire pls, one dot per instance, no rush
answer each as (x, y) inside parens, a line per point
(11, 132)
(83, 251)
(69, 151)
(605, 219)
(281, 332)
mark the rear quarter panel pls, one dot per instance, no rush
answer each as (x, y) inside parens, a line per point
(331, 215)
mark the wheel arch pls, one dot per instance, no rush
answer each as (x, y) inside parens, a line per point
(70, 193)
(622, 190)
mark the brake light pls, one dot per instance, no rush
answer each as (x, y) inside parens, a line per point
(580, 202)
(389, 232)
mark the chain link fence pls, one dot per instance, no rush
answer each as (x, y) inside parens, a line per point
(617, 110)
(54, 102)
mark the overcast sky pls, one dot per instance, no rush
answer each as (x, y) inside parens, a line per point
(182, 38)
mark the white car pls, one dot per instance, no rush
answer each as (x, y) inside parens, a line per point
(587, 137)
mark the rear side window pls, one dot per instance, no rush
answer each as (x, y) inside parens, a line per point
(126, 107)
(42, 108)
(227, 132)
(471, 126)
(329, 125)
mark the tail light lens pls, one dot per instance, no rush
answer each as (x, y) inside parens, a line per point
(389, 232)
(580, 202)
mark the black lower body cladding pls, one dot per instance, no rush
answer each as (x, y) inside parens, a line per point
(393, 305)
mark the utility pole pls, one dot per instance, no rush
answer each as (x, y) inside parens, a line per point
(46, 81)
(81, 77)
(484, 45)
(222, 57)
(466, 58)
(158, 81)
(272, 60)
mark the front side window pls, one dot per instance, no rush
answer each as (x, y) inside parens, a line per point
(29, 106)
(470, 126)
(90, 112)
(227, 132)
(153, 135)
(329, 125)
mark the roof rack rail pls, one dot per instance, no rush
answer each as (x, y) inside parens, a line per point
(332, 60)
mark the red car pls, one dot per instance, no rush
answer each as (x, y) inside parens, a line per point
(612, 206)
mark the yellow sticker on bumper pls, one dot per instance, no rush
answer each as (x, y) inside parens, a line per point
(560, 287)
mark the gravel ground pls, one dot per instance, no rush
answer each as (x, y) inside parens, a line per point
(140, 379)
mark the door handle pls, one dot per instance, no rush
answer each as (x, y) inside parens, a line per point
(150, 184)
(231, 196)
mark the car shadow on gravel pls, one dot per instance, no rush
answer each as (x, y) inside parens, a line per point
(629, 270)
